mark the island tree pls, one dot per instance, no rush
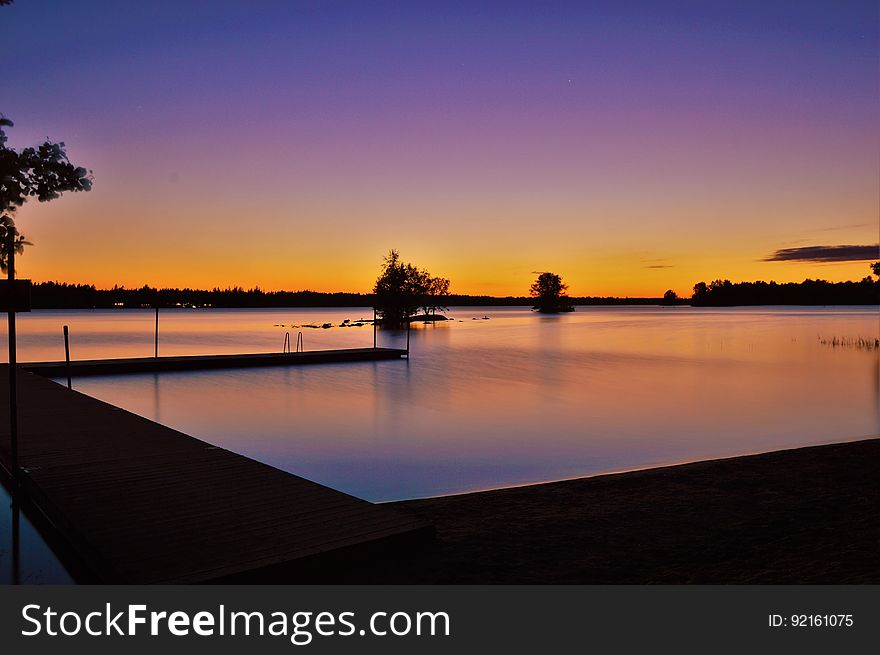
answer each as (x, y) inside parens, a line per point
(670, 297)
(549, 292)
(43, 172)
(437, 296)
(401, 289)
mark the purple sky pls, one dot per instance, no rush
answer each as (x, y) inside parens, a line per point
(630, 146)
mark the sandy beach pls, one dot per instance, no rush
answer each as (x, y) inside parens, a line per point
(808, 515)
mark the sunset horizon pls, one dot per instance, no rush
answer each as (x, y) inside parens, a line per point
(855, 272)
(297, 161)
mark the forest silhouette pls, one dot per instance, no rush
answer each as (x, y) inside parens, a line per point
(59, 295)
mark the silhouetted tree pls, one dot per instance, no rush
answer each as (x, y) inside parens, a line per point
(670, 297)
(7, 225)
(438, 294)
(876, 268)
(724, 293)
(43, 172)
(549, 290)
(402, 288)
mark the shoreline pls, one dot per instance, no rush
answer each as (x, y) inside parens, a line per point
(623, 471)
(802, 515)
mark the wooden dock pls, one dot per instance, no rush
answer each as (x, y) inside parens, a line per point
(204, 362)
(137, 502)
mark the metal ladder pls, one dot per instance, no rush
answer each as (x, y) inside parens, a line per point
(299, 342)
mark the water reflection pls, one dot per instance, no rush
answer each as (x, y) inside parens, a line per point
(16, 539)
(515, 399)
(25, 558)
(157, 413)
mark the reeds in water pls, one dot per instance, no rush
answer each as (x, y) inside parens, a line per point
(851, 342)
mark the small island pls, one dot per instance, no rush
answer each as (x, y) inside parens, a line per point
(549, 293)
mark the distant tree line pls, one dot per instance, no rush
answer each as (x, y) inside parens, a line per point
(724, 293)
(60, 295)
(55, 295)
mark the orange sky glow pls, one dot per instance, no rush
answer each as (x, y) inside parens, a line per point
(291, 150)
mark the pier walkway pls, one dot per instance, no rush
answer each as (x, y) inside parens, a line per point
(203, 362)
(137, 502)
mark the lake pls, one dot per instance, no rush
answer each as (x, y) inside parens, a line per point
(510, 399)
(496, 396)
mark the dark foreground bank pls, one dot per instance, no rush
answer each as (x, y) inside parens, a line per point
(810, 515)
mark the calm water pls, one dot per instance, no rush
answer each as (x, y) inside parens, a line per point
(37, 563)
(514, 399)
(517, 398)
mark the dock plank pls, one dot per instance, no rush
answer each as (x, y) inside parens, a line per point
(138, 502)
(207, 362)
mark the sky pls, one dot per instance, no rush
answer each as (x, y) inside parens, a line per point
(629, 146)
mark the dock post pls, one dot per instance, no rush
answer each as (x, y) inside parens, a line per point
(156, 340)
(16, 540)
(67, 356)
(374, 327)
(408, 323)
(13, 391)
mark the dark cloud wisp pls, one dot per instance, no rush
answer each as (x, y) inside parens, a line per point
(825, 254)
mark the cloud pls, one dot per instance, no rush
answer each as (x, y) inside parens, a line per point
(825, 254)
(657, 262)
(834, 228)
